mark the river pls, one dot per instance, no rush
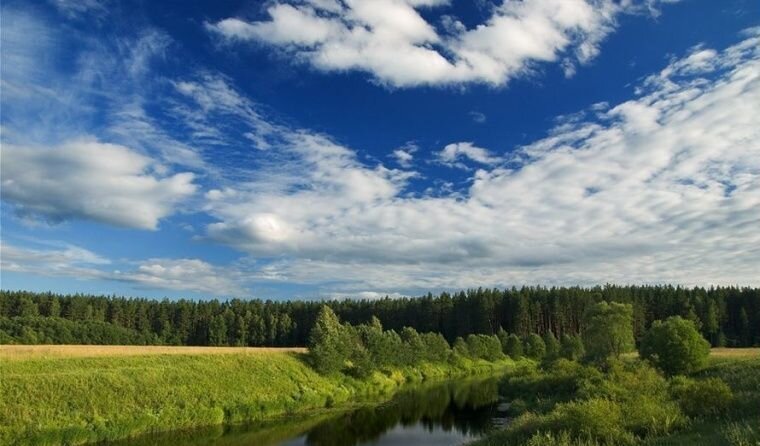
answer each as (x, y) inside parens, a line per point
(446, 414)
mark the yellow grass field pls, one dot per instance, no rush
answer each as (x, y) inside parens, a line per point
(90, 351)
(735, 353)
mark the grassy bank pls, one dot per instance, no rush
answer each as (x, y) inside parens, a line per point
(79, 398)
(631, 404)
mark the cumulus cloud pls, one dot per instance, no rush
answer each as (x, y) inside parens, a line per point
(453, 153)
(664, 187)
(89, 179)
(391, 40)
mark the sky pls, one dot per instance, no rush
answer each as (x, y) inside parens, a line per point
(361, 148)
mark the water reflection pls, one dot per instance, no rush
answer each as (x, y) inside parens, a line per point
(446, 414)
(463, 408)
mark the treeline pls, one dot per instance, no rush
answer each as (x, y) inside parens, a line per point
(726, 316)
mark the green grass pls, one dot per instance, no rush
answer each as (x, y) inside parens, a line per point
(75, 400)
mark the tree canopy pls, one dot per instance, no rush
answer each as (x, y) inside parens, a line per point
(675, 346)
(608, 331)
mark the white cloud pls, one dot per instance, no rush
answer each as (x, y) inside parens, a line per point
(404, 155)
(453, 153)
(106, 89)
(88, 179)
(662, 188)
(66, 260)
(391, 40)
(364, 295)
(184, 275)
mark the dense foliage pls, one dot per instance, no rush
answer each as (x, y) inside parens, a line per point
(608, 331)
(632, 403)
(675, 346)
(725, 316)
(361, 349)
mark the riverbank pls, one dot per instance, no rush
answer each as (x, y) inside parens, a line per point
(77, 399)
(568, 404)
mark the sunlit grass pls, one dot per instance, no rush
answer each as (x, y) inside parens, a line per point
(88, 351)
(77, 394)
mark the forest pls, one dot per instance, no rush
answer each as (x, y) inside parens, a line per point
(725, 316)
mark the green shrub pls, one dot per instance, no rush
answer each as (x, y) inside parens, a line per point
(559, 382)
(560, 439)
(460, 348)
(514, 348)
(675, 346)
(624, 381)
(535, 348)
(742, 434)
(571, 347)
(502, 334)
(704, 397)
(642, 391)
(597, 418)
(437, 349)
(552, 346)
(648, 416)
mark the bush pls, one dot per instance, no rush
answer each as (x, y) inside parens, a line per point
(561, 381)
(571, 348)
(535, 348)
(460, 348)
(597, 418)
(642, 391)
(560, 439)
(514, 348)
(436, 347)
(552, 346)
(484, 347)
(675, 346)
(709, 396)
(625, 381)
(651, 416)
(742, 434)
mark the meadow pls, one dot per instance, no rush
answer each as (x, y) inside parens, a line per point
(81, 394)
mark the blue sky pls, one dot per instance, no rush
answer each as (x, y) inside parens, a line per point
(326, 148)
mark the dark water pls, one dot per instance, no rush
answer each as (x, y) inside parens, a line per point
(447, 414)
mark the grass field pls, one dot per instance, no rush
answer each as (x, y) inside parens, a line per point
(53, 395)
(89, 351)
(735, 353)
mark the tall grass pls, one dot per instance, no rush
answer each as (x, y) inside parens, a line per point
(75, 400)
